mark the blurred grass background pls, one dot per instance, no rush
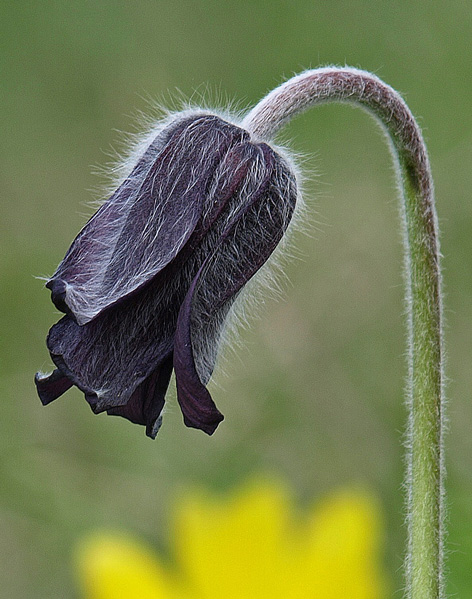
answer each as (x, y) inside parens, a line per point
(315, 396)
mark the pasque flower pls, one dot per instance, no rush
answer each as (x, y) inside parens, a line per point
(250, 544)
(149, 282)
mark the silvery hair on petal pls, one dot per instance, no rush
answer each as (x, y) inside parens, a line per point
(149, 282)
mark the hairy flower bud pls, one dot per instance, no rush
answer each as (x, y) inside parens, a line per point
(147, 285)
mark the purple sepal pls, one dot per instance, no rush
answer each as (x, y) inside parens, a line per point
(51, 386)
(148, 283)
(142, 227)
(147, 401)
(198, 408)
(243, 247)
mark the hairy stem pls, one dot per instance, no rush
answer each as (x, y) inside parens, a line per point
(425, 469)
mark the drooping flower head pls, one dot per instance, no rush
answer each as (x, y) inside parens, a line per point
(147, 285)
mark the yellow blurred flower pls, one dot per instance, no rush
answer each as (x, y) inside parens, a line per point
(250, 545)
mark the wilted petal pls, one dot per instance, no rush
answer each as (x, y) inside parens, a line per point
(145, 223)
(245, 245)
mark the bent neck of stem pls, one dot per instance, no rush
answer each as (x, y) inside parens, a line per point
(424, 397)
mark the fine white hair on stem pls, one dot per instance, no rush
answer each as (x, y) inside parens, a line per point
(425, 386)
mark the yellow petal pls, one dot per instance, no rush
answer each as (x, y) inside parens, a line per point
(114, 566)
(247, 546)
(236, 548)
(344, 547)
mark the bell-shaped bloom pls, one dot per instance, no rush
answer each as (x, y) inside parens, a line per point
(147, 285)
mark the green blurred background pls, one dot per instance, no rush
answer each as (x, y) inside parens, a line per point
(315, 396)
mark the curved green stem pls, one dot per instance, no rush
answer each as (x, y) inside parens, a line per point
(425, 469)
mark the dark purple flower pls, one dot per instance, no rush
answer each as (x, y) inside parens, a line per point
(148, 283)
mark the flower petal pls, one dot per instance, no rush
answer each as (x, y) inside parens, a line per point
(155, 272)
(113, 565)
(51, 386)
(195, 401)
(147, 401)
(245, 245)
(145, 223)
(111, 356)
(247, 537)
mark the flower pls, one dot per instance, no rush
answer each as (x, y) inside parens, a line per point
(147, 285)
(246, 546)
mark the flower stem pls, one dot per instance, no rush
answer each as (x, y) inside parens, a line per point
(425, 468)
